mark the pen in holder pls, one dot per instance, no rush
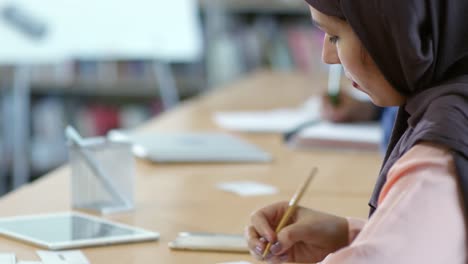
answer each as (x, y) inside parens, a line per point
(102, 173)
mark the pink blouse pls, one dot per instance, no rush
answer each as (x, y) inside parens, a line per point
(420, 216)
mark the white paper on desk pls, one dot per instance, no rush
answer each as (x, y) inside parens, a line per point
(276, 121)
(65, 257)
(7, 258)
(29, 262)
(248, 188)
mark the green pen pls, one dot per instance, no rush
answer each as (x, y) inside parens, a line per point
(334, 81)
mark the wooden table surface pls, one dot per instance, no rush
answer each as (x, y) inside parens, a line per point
(174, 198)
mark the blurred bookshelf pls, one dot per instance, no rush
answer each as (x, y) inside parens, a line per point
(130, 86)
(93, 96)
(244, 35)
(260, 6)
(240, 36)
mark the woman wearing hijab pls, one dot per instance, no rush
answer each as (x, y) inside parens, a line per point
(412, 54)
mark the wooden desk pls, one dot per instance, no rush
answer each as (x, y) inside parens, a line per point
(173, 198)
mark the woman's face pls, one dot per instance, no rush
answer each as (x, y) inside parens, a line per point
(342, 46)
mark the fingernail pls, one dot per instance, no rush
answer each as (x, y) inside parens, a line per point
(259, 250)
(283, 258)
(275, 248)
(263, 240)
(261, 245)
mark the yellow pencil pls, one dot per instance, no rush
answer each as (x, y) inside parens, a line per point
(292, 207)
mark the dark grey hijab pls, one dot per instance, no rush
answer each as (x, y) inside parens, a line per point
(421, 47)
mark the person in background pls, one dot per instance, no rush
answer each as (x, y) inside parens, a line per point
(353, 109)
(412, 54)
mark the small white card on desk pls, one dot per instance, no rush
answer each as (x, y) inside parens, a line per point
(247, 188)
(7, 258)
(65, 257)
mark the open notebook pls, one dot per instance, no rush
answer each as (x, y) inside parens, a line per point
(353, 136)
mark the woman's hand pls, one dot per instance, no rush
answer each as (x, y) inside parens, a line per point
(309, 236)
(348, 109)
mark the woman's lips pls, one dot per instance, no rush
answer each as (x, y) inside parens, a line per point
(355, 85)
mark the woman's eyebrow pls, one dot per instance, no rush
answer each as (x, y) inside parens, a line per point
(318, 24)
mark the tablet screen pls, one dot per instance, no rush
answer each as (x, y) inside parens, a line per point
(66, 228)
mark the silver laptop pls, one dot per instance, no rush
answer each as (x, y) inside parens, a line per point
(191, 147)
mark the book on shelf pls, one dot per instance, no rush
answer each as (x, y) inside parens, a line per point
(98, 119)
(305, 46)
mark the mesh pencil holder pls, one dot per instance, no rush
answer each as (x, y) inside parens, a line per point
(102, 175)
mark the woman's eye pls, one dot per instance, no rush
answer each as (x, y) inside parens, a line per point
(333, 39)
